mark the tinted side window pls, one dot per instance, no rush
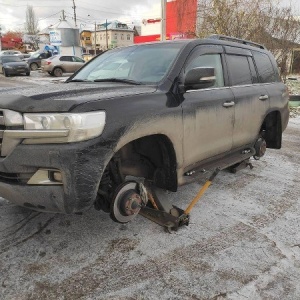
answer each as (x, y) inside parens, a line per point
(253, 70)
(66, 58)
(239, 69)
(77, 59)
(265, 68)
(209, 60)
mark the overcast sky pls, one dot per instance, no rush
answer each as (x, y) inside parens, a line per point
(12, 12)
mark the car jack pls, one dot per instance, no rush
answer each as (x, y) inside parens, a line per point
(167, 215)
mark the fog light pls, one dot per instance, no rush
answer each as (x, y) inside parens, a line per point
(57, 176)
(46, 177)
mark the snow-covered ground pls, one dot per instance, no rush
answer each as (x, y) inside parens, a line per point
(243, 242)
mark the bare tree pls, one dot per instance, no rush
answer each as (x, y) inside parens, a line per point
(261, 21)
(31, 26)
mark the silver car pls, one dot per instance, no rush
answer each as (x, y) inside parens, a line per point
(59, 64)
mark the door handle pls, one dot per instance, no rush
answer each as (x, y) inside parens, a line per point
(263, 97)
(228, 104)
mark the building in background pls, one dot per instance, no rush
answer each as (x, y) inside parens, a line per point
(110, 35)
(181, 19)
(86, 41)
(66, 38)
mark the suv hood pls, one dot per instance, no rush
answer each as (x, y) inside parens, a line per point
(65, 97)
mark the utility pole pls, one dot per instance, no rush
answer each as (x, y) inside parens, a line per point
(106, 35)
(95, 33)
(74, 8)
(63, 15)
(163, 20)
(0, 38)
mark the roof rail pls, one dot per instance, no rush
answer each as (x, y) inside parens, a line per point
(233, 39)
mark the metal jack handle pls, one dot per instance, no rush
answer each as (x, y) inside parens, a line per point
(170, 216)
(202, 191)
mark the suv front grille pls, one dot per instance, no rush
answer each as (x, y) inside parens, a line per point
(9, 177)
(15, 177)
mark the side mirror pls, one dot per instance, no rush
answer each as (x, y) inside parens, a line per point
(199, 78)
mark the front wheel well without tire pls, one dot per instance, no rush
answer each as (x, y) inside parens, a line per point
(151, 157)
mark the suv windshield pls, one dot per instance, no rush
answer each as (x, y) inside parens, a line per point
(142, 63)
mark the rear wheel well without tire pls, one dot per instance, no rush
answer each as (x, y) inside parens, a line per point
(271, 130)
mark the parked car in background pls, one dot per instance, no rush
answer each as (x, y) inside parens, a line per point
(26, 55)
(34, 61)
(59, 64)
(12, 52)
(13, 65)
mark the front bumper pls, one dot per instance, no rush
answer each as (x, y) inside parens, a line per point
(81, 166)
(16, 71)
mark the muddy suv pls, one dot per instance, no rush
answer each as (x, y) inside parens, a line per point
(166, 112)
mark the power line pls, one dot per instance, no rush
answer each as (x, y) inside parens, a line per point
(49, 16)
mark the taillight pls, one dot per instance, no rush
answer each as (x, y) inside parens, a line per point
(48, 62)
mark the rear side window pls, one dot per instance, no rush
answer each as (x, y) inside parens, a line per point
(239, 69)
(77, 59)
(66, 58)
(266, 72)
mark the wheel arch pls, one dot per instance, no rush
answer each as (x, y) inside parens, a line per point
(58, 67)
(152, 157)
(271, 129)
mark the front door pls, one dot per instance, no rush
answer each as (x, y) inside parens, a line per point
(208, 114)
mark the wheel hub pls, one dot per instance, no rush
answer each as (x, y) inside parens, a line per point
(126, 203)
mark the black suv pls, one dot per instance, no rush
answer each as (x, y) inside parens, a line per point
(166, 112)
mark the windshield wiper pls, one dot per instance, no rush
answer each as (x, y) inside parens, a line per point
(118, 80)
(79, 80)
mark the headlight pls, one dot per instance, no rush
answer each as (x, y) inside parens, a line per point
(8, 67)
(65, 127)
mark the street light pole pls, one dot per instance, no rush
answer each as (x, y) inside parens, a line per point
(0, 38)
(106, 35)
(95, 33)
(163, 20)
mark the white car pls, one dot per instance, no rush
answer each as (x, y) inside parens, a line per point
(12, 52)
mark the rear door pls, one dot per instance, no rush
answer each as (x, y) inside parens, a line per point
(67, 64)
(208, 114)
(78, 63)
(250, 97)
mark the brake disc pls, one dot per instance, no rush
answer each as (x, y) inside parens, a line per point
(126, 203)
